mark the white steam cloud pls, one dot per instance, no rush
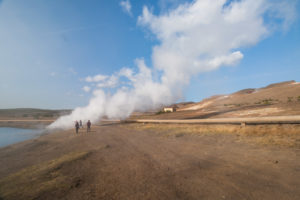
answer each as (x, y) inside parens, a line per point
(195, 37)
(86, 88)
(126, 6)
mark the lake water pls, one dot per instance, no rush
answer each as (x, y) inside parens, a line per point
(13, 135)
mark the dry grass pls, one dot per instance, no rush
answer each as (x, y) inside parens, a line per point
(281, 135)
(31, 182)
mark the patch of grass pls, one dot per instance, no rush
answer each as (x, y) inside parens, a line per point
(48, 115)
(298, 98)
(267, 101)
(159, 112)
(279, 135)
(31, 182)
(162, 112)
(36, 116)
(290, 99)
(179, 135)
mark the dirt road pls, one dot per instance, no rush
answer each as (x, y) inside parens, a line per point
(119, 162)
(295, 119)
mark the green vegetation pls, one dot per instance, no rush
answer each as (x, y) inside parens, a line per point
(290, 99)
(162, 112)
(159, 112)
(268, 101)
(298, 98)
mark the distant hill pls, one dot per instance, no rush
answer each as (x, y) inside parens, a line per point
(276, 99)
(31, 113)
(273, 100)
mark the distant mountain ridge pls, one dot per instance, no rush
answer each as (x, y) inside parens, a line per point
(32, 113)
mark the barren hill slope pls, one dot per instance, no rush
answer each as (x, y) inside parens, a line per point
(274, 100)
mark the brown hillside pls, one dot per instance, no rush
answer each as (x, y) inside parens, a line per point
(273, 100)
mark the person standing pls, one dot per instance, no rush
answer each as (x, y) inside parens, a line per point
(88, 124)
(76, 126)
(80, 124)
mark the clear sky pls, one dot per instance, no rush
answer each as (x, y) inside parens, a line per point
(49, 48)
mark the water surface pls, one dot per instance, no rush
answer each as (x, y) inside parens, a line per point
(13, 135)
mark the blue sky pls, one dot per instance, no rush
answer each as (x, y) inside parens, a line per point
(48, 48)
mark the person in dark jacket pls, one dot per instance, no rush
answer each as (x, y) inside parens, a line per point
(76, 126)
(88, 124)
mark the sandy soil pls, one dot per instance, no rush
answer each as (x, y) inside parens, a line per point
(117, 161)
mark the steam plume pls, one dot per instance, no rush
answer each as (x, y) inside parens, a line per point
(194, 38)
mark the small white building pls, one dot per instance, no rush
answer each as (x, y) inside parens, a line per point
(170, 109)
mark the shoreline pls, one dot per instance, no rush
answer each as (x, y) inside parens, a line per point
(18, 136)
